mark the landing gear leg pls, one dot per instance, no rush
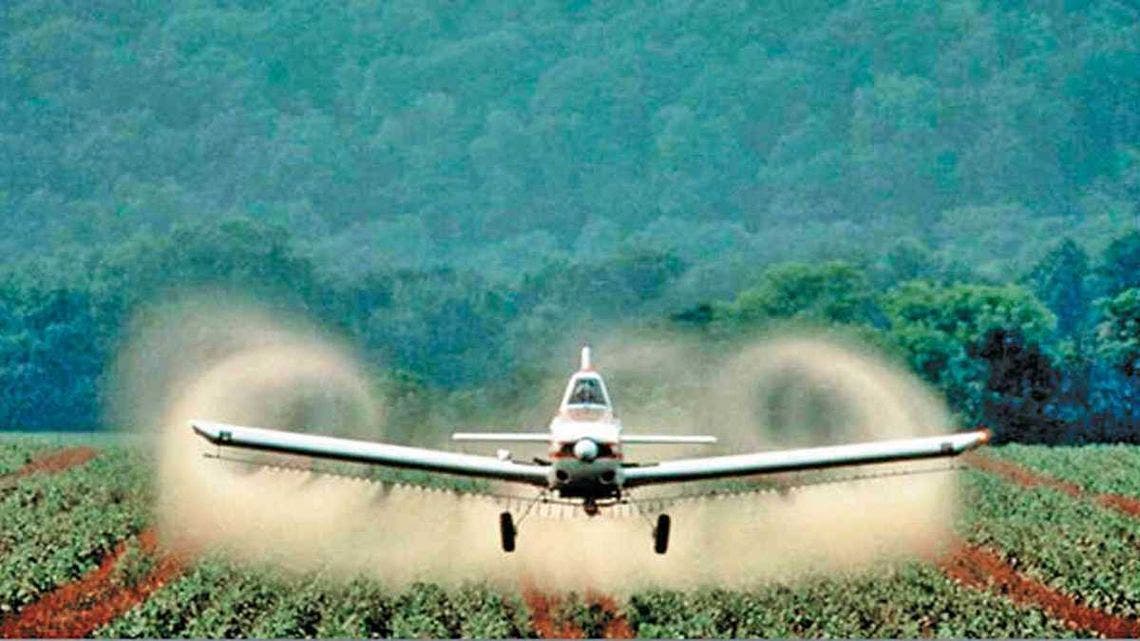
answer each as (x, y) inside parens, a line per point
(661, 534)
(507, 531)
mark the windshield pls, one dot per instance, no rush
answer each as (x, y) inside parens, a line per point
(587, 391)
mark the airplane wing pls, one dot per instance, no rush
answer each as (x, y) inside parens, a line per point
(357, 451)
(503, 437)
(666, 439)
(714, 467)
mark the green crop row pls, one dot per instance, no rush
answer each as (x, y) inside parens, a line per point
(56, 527)
(17, 451)
(1076, 546)
(14, 455)
(1111, 469)
(908, 601)
(20, 448)
(216, 599)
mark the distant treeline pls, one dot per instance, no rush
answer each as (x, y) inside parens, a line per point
(1052, 357)
(63, 318)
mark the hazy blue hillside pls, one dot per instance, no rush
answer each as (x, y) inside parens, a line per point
(495, 134)
(459, 190)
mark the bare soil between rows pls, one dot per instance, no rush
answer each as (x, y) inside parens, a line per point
(77, 609)
(981, 568)
(51, 463)
(1127, 505)
(550, 623)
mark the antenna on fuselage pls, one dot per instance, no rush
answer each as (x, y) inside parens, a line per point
(585, 358)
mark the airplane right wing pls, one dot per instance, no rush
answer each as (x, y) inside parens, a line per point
(810, 458)
(666, 439)
(357, 451)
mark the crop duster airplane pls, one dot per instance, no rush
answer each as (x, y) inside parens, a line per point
(586, 465)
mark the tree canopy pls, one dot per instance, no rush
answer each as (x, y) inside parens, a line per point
(422, 135)
(455, 190)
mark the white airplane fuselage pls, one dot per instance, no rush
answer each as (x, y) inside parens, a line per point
(585, 440)
(585, 457)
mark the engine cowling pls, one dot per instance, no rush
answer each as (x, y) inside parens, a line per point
(585, 450)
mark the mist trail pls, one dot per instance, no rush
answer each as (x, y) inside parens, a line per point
(244, 366)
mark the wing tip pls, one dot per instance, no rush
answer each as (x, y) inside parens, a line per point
(986, 436)
(206, 429)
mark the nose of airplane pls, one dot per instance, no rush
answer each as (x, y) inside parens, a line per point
(585, 450)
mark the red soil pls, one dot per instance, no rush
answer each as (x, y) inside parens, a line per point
(543, 608)
(1020, 475)
(1029, 478)
(978, 567)
(1120, 503)
(52, 462)
(78, 608)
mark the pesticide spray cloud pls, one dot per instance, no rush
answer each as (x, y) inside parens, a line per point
(198, 360)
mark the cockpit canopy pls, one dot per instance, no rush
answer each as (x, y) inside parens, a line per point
(587, 390)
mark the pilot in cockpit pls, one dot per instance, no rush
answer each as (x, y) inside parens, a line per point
(587, 392)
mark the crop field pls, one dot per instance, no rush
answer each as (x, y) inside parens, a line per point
(1048, 546)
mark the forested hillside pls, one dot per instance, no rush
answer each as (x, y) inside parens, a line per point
(455, 188)
(422, 133)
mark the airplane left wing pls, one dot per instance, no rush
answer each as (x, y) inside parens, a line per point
(357, 451)
(714, 467)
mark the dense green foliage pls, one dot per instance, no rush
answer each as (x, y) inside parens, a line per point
(1043, 361)
(1045, 358)
(219, 600)
(1113, 469)
(909, 601)
(462, 191)
(54, 528)
(1077, 546)
(13, 456)
(499, 133)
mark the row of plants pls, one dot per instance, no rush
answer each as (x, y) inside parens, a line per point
(56, 527)
(910, 600)
(216, 599)
(15, 454)
(1076, 546)
(1113, 469)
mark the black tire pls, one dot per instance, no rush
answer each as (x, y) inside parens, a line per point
(661, 534)
(507, 531)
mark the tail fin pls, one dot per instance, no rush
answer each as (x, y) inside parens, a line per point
(586, 358)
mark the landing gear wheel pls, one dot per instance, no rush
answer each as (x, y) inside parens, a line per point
(661, 534)
(507, 531)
